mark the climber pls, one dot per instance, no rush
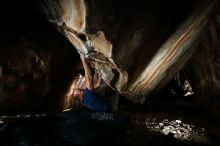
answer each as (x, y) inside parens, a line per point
(88, 97)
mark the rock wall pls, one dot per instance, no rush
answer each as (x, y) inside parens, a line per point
(203, 69)
(37, 63)
(137, 47)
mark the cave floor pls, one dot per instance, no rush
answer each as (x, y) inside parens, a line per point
(155, 124)
(172, 121)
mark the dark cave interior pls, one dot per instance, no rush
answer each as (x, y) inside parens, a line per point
(38, 64)
(43, 56)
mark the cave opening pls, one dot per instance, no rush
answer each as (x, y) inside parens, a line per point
(40, 65)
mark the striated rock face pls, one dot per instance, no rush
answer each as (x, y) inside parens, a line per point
(137, 47)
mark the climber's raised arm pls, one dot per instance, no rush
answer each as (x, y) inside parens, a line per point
(88, 73)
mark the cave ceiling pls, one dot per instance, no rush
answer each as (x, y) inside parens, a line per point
(137, 47)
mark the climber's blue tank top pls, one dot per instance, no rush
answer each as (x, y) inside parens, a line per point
(93, 101)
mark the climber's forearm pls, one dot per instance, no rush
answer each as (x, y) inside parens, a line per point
(88, 73)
